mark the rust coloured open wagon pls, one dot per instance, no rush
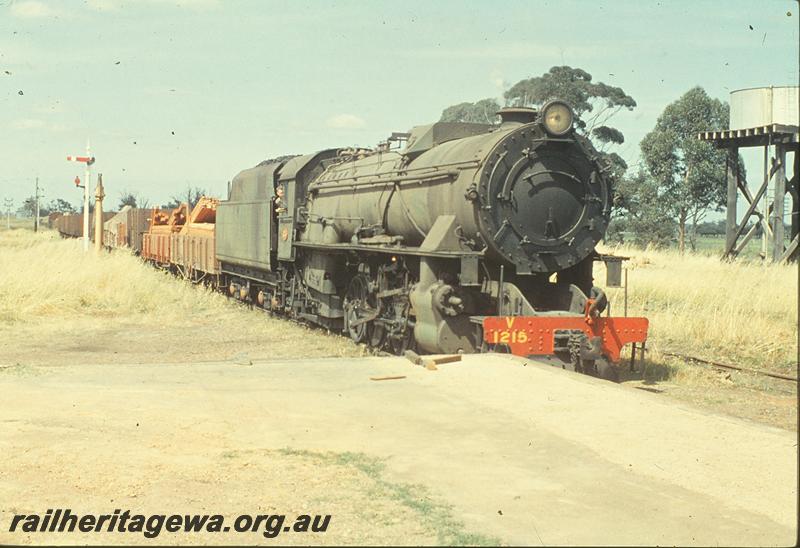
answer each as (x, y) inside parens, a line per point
(193, 246)
(156, 243)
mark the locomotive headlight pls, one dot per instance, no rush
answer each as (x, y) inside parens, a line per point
(557, 118)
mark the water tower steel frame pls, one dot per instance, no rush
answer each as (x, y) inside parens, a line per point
(785, 139)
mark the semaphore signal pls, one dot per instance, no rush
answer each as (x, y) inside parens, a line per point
(88, 160)
(82, 159)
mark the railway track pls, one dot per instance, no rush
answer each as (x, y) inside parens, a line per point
(379, 352)
(694, 359)
(685, 357)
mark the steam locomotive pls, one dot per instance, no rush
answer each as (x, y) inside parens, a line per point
(471, 237)
(454, 237)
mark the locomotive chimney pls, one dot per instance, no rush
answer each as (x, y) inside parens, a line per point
(516, 115)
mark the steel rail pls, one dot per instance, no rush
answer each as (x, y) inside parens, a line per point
(728, 366)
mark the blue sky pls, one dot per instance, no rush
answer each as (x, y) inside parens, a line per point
(238, 81)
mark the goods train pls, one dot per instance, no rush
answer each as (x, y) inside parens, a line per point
(454, 237)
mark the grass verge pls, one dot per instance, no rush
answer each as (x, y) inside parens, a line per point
(434, 515)
(743, 313)
(61, 305)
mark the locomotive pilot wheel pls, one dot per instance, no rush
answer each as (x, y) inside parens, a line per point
(376, 333)
(606, 370)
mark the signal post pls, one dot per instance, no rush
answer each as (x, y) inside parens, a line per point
(88, 160)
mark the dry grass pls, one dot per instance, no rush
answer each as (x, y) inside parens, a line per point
(742, 313)
(46, 278)
(58, 303)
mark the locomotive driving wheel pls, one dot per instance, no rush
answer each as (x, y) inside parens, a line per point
(360, 309)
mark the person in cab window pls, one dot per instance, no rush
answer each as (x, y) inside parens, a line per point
(280, 203)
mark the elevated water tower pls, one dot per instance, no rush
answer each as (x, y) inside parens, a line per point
(767, 118)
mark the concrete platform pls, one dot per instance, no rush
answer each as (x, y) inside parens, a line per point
(522, 451)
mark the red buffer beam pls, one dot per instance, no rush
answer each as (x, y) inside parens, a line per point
(535, 335)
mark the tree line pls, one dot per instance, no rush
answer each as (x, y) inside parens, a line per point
(191, 195)
(665, 198)
(678, 180)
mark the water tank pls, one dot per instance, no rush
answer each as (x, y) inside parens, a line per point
(754, 107)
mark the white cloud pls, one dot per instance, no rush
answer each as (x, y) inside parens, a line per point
(499, 82)
(196, 4)
(507, 50)
(167, 92)
(27, 123)
(32, 9)
(345, 121)
(104, 5)
(114, 5)
(49, 108)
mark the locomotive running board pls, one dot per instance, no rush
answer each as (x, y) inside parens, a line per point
(391, 249)
(535, 335)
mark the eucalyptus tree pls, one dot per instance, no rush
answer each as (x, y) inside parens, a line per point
(690, 174)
